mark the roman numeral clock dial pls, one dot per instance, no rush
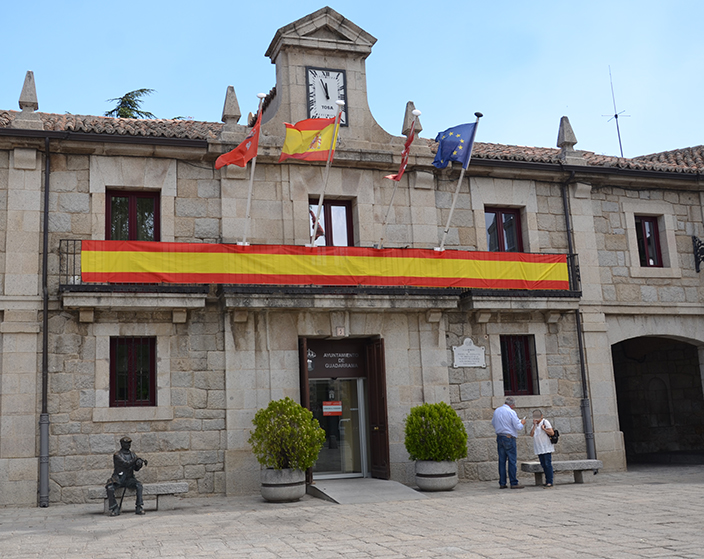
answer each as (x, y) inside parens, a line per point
(325, 86)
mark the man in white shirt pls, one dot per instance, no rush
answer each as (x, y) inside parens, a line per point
(507, 425)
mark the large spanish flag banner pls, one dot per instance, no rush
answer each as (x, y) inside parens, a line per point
(151, 262)
(308, 139)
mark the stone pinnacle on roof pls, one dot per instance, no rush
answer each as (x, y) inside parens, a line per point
(28, 97)
(28, 118)
(231, 111)
(408, 119)
(566, 139)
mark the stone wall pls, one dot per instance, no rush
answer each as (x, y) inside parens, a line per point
(183, 438)
(552, 234)
(476, 392)
(622, 279)
(197, 208)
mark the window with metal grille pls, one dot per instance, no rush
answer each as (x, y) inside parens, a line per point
(335, 225)
(132, 372)
(503, 229)
(519, 365)
(648, 238)
(132, 216)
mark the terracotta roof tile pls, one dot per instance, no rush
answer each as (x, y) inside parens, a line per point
(190, 129)
(515, 153)
(686, 160)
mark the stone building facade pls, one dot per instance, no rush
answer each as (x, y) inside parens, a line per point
(621, 348)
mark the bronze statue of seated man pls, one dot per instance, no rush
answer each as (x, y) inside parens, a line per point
(126, 464)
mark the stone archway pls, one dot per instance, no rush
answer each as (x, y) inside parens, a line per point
(660, 401)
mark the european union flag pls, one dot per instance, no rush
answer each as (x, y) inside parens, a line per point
(455, 144)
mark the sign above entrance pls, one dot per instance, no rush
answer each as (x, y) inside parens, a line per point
(468, 355)
(336, 359)
(333, 407)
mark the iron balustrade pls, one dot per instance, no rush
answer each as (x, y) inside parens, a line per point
(70, 280)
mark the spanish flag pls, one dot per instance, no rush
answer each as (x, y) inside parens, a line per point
(309, 139)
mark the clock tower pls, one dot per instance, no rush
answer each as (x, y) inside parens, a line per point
(319, 59)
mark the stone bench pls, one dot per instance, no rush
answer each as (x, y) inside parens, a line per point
(576, 466)
(165, 494)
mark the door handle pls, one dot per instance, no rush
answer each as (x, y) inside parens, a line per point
(375, 428)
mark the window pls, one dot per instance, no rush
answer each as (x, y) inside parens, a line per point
(335, 226)
(519, 365)
(132, 216)
(132, 372)
(648, 239)
(503, 229)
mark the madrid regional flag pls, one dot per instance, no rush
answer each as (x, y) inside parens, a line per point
(246, 151)
(309, 139)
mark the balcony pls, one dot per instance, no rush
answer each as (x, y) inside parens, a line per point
(133, 275)
(123, 296)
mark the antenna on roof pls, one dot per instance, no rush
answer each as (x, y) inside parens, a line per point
(616, 113)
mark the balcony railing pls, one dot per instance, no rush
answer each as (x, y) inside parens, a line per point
(279, 269)
(70, 278)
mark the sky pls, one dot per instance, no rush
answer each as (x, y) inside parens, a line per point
(522, 64)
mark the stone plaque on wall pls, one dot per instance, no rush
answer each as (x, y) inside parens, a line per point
(468, 355)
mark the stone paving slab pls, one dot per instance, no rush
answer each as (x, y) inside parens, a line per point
(647, 512)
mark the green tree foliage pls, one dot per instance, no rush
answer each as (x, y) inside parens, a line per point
(129, 105)
(286, 435)
(435, 432)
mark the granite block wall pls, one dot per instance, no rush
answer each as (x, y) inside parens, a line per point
(475, 392)
(185, 443)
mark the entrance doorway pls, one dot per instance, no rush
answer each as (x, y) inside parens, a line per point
(660, 400)
(343, 384)
(339, 406)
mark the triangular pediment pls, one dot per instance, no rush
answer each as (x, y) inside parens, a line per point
(326, 30)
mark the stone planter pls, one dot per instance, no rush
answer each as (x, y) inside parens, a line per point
(281, 486)
(436, 476)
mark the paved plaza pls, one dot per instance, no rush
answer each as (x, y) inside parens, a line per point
(655, 511)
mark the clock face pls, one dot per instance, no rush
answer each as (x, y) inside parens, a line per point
(324, 87)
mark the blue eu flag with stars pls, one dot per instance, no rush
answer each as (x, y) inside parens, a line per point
(455, 144)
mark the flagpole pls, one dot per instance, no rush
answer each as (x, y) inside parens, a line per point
(338, 116)
(416, 113)
(457, 190)
(251, 183)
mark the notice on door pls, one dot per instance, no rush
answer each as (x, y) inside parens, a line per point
(332, 407)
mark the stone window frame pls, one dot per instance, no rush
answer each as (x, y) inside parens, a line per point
(163, 411)
(133, 173)
(506, 193)
(546, 387)
(666, 229)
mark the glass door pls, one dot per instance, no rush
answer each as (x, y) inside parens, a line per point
(338, 405)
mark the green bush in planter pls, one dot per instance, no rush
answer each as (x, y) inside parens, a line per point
(286, 435)
(435, 432)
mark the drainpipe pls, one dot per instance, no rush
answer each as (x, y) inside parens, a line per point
(44, 417)
(584, 404)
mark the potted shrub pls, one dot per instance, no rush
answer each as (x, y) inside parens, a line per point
(286, 440)
(435, 439)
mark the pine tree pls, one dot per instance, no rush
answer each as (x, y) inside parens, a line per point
(128, 106)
